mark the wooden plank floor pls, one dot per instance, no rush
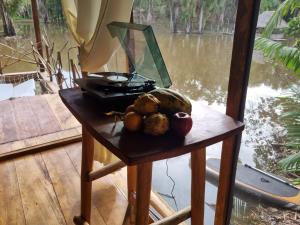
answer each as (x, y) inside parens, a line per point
(35, 120)
(44, 188)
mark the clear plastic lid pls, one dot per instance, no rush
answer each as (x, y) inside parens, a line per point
(142, 51)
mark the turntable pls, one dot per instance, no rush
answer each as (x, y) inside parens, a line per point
(147, 69)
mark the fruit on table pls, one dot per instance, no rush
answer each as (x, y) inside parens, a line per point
(156, 124)
(146, 104)
(171, 101)
(130, 109)
(181, 123)
(133, 121)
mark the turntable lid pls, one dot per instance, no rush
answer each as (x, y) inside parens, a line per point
(142, 50)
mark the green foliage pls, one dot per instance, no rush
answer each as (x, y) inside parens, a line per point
(289, 56)
(293, 28)
(291, 119)
(54, 10)
(277, 16)
(268, 5)
(16, 7)
(296, 181)
(291, 163)
(187, 10)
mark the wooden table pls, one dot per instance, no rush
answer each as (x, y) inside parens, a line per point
(138, 150)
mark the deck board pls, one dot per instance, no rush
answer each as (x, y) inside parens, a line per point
(44, 188)
(112, 207)
(66, 183)
(65, 118)
(38, 197)
(25, 119)
(32, 121)
(44, 115)
(8, 127)
(11, 212)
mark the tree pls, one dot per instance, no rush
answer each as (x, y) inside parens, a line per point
(8, 27)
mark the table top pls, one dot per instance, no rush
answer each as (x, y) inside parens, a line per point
(209, 127)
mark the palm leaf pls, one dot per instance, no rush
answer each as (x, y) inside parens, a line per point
(282, 10)
(296, 181)
(291, 163)
(289, 56)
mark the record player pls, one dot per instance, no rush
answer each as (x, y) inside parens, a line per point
(147, 69)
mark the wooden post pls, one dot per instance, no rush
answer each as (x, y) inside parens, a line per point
(73, 72)
(48, 61)
(131, 190)
(1, 69)
(36, 23)
(143, 189)
(198, 162)
(86, 168)
(59, 74)
(244, 36)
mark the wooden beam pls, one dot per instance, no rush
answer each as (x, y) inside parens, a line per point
(244, 36)
(160, 206)
(105, 170)
(37, 30)
(176, 218)
(39, 148)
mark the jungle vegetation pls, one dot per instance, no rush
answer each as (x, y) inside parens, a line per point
(289, 56)
(188, 16)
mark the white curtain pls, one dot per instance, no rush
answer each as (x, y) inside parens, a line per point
(87, 20)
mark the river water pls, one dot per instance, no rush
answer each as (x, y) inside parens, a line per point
(199, 68)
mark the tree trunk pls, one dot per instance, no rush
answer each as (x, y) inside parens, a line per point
(188, 26)
(43, 11)
(174, 13)
(200, 15)
(8, 27)
(149, 14)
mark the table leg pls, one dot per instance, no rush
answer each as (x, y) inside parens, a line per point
(198, 167)
(86, 167)
(131, 187)
(144, 177)
(227, 167)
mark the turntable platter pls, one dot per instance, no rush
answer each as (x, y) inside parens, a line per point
(117, 78)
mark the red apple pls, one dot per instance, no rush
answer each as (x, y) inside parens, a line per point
(181, 123)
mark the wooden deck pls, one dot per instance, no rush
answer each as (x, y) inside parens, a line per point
(44, 188)
(31, 122)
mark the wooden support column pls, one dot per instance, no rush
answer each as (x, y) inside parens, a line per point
(86, 185)
(244, 36)
(131, 190)
(37, 30)
(144, 177)
(198, 167)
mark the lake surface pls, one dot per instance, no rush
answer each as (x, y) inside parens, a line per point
(199, 68)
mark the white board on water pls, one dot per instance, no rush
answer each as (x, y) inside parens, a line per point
(8, 91)
(25, 89)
